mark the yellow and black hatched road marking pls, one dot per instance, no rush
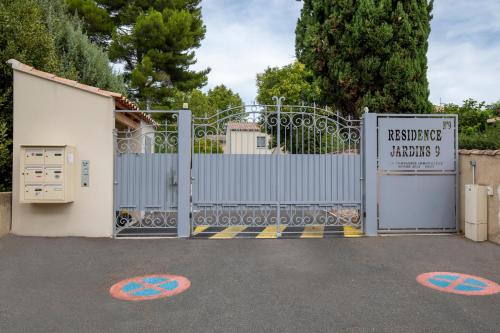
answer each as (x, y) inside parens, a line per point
(269, 232)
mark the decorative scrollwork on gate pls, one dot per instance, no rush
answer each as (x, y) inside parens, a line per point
(240, 186)
(147, 219)
(149, 138)
(293, 215)
(223, 215)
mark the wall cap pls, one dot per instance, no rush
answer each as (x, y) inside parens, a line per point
(479, 152)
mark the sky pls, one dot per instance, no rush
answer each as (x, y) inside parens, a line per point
(244, 37)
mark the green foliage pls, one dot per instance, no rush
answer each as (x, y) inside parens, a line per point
(154, 39)
(297, 85)
(226, 104)
(490, 139)
(41, 34)
(293, 81)
(79, 58)
(221, 98)
(473, 129)
(98, 23)
(218, 99)
(207, 146)
(197, 102)
(367, 53)
(5, 157)
(23, 36)
(472, 116)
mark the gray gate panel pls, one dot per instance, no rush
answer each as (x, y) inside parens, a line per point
(306, 173)
(409, 201)
(146, 182)
(251, 178)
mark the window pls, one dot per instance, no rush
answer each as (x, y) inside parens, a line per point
(261, 142)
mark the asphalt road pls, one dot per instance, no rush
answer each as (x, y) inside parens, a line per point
(246, 285)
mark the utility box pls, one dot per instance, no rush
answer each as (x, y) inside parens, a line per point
(476, 210)
(47, 174)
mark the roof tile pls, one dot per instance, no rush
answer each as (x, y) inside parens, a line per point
(243, 126)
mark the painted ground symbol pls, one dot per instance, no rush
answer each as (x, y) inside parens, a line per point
(148, 287)
(457, 283)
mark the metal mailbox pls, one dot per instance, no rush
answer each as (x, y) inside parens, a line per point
(47, 174)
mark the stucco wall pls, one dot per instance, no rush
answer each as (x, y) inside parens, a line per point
(245, 142)
(487, 173)
(47, 112)
(5, 212)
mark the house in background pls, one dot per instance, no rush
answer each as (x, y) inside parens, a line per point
(246, 138)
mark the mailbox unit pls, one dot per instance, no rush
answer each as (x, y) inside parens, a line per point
(47, 174)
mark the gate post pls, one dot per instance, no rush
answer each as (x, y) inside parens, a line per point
(370, 173)
(184, 175)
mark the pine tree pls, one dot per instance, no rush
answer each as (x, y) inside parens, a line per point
(368, 53)
(154, 39)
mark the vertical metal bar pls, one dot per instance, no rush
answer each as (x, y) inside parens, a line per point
(278, 159)
(457, 175)
(116, 186)
(184, 173)
(370, 169)
(361, 175)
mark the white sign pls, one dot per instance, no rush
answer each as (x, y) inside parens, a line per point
(417, 144)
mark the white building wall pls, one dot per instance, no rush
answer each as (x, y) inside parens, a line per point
(50, 113)
(245, 142)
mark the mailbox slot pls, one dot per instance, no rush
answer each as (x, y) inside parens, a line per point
(54, 156)
(33, 192)
(34, 156)
(53, 192)
(54, 175)
(34, 175)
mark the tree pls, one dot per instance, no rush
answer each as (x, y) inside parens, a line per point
(218, 99)
(24, 36)
(226, 104)
(79, 58)
(473, 129)
(196, 100)
(40, 34)
(154, 39)
(298, 86)
(368, 53)
(293, 81)
(98, 24)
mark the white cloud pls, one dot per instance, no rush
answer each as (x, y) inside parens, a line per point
(463, 51)
(460, 71)
(245, 37)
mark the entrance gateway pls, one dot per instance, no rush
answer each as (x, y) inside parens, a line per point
(282, 170)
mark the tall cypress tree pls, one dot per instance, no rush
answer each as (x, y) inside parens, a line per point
(368, 53)
(154, 39)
